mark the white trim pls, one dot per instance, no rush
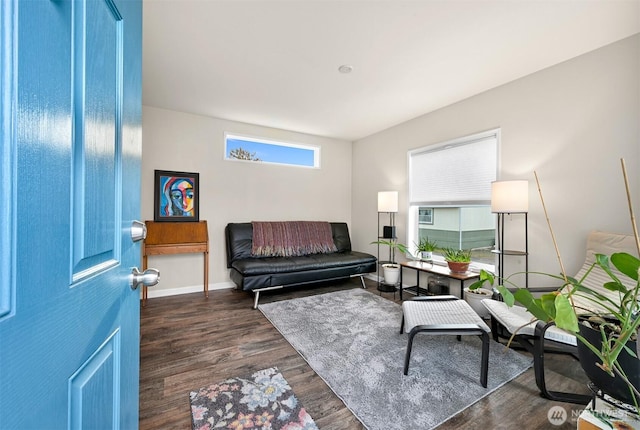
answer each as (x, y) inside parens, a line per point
(496, 132)
(186, 290)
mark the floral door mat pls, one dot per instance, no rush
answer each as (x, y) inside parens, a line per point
(264, 401)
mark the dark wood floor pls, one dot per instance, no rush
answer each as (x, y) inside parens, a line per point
(188, 342)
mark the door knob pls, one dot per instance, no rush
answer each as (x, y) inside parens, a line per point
(138, 230)
(148, 278)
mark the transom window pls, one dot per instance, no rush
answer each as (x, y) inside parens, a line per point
(258, 150)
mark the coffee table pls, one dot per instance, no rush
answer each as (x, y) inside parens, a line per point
(430, 267)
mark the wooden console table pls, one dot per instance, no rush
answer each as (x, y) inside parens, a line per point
(165, 238)
(428, 267)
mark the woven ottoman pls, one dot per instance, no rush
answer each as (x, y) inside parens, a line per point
(444, 315)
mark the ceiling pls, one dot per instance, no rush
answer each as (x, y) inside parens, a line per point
(275, 63)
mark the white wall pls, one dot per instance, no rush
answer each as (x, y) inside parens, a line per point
(234, 191)
(571, 123)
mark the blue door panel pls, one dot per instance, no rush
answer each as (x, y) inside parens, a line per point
(94, 390)
(43, 139)
(97, 109)
(7, 160)
(69, 322)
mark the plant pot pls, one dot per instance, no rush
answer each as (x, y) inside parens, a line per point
(426, 255)
(475, 297)
(458, 267)
(613, 386)
(391, 273)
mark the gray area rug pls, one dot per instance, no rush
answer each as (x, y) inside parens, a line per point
(351, 340)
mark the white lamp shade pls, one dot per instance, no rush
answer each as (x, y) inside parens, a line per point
(510, 196)
(387, 201)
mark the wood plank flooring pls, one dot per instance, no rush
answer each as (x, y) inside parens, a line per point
(188, 342)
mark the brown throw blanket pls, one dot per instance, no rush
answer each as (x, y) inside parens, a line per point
(291, 238)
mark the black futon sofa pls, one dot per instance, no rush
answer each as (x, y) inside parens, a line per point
(258, 274)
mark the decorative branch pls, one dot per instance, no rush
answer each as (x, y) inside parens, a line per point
(553, 236)
(633, 217)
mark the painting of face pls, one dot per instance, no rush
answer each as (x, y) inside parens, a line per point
(180, 200)
(176, 196)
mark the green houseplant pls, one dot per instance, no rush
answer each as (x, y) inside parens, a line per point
(458, 260)
(615, 322)
(391, 269)
(425, 248)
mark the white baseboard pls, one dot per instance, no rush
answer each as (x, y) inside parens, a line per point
(151, 293)
(373, 277)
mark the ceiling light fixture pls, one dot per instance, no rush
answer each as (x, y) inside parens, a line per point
(345, 68)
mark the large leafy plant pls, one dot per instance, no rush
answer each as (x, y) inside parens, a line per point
(617, 320)
(393, 245)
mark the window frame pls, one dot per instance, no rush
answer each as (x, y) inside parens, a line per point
(413, 217)
(429, 214)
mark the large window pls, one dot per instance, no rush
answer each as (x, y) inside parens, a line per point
(269, 151)
(450, 194)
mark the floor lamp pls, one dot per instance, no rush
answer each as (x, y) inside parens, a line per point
(510, 197)
(387, 203)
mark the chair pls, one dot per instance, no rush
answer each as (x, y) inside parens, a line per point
(536, 336)
(444, 315)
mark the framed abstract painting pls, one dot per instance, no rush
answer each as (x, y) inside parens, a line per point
(176, 196)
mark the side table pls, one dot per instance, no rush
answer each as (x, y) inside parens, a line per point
(429, 267)
(166, 238)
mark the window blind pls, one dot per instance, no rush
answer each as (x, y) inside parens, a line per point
(458, 173)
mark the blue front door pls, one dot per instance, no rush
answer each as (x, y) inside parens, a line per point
(70, 146)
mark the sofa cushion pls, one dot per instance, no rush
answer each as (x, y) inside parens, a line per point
(265, 265)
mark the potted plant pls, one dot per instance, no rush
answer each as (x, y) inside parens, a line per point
(458, 260)
(607, 335)
(474, 294)
(391, 269)
(425, 248)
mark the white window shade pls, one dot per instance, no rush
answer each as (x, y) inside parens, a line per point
(454, 173)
